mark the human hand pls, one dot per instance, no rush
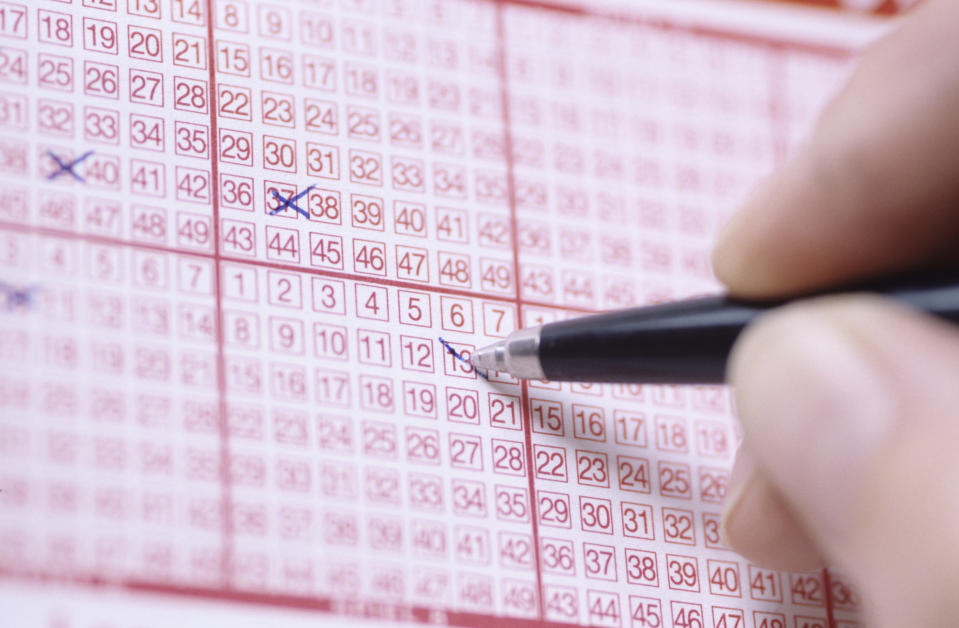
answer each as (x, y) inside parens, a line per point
(850, 405)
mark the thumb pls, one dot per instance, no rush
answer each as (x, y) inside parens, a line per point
(851, 408)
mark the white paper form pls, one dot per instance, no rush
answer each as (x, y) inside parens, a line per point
(244, 243)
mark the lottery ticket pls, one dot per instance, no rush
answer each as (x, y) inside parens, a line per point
(247, 247)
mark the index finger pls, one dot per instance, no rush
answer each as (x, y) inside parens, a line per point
(875, 189)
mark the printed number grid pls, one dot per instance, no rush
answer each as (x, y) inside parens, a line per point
(232, 234)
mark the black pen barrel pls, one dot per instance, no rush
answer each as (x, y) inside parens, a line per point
(684, 342)
(688, 341)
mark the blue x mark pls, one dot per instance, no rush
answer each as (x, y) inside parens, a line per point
(291, 202)
(17, 297)
(65, 167)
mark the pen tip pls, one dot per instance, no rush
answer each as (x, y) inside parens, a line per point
(489, 358)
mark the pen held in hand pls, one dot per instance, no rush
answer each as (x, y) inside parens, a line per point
(685, 342)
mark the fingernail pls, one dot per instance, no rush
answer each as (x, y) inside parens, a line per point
(814, 407)
(743, 472)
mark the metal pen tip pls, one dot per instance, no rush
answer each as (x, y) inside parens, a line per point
(490, 358)
(517, 355)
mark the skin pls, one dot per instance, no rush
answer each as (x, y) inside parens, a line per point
(850, 404)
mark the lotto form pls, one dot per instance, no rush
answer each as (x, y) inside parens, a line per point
(246, 249)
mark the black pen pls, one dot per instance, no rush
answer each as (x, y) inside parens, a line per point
(686, 342)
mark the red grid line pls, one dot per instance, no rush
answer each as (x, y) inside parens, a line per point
(886, 8)
(322, 604)
(223, 429)
(501, 45)
(827, 592)
(259, 263)
(353, 608)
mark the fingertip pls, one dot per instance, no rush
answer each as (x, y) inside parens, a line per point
(759, 525)
(732, 248)
(814, 405)
(748, 251)
(725, 261)
(762, 529)
(871, 191)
